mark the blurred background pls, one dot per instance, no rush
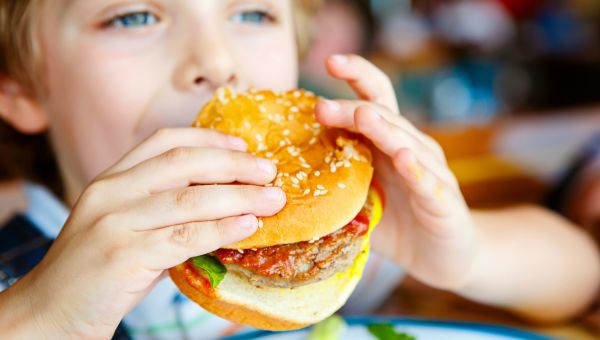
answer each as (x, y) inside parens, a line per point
(468, 61)
(510, 88)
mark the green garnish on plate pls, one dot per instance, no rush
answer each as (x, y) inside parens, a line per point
(386, 331)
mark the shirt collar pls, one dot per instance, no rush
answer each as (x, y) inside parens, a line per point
(44, 210)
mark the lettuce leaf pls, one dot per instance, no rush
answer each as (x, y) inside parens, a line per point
(215, 271)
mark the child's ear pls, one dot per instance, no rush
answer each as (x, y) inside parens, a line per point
(19, 109)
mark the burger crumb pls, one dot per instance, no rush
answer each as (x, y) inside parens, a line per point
(260, 224)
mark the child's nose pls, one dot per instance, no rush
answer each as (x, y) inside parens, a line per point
(207, 67)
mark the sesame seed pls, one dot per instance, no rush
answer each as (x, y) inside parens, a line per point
(341, 185)
(327, 159)
(299, 176)
(302, 159)
(306, 126)
(323, 192)
(247, 124)
(259, 138)
(306, 192)
(317, 173)
(297, 186)
(303, 174)
(313, 141)
(260, 223)
(297, 94)
(269, 154)
(281, 143)
(275, 161)
(290, 117)
(240, 251)
(285, 174)
(332, 168)
(320, 187)
(294, 180)
(305, 166)
(339, 164)
(316, 126)
(262, 109)
(347, 164)
(259, 97)
(294, 109)
(286, 132)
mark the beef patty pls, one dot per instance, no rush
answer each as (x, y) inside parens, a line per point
(298, 264)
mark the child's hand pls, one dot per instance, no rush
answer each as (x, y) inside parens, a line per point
(142, 217)
(426, 225)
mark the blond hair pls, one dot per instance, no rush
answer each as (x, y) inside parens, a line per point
(17, 44)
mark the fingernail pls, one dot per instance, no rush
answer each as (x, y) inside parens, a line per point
(266, 165)
(339, 59)
(332, 105)
(248, 222)
(273, 194)
(238, 143)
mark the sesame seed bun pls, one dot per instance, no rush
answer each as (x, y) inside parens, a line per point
(325, 173)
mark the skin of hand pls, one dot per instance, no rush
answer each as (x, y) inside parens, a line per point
(101, 261)
(520, 259)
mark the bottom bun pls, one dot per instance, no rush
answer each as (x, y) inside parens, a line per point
(279, 309)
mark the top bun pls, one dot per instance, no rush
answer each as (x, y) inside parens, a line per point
(325, 173)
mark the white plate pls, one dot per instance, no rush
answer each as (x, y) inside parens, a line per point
(421, 329)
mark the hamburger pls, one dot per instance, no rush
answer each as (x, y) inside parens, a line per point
(302, 264)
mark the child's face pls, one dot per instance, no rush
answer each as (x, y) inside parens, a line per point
(117, 70)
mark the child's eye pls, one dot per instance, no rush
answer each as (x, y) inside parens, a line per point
(133, 20)
(253, 17)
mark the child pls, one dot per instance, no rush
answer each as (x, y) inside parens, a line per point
(115, 83)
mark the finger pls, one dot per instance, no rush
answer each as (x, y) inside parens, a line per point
(168, 247)
(367, 80)
(167, 139)
(184, 166)
(389, 138)
(341, 114)
(198, 203)
(432, 196)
